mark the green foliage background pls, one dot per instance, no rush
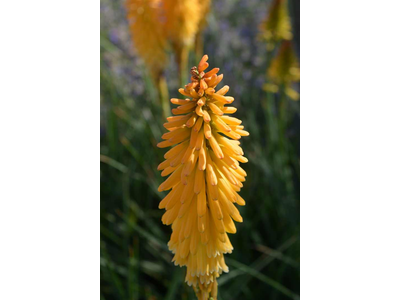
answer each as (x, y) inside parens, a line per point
(135, 261)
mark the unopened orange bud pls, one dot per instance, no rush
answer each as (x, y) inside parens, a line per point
(203, 84)
(215, 80)
(211, 72)
(210, 91)
(203, 59)
(203, 66)
(201, 101)
(191, 85)
(208, 79)
(203, 63)
(193, 93)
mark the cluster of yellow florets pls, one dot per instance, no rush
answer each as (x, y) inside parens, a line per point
(204, 178)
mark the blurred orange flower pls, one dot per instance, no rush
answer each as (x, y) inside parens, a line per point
(284, 70)
(150, 42)
(277, 26)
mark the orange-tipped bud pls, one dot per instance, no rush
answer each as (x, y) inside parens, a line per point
(211, 72)
(203, 63)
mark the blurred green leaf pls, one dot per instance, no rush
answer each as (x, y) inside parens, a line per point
(276, 285)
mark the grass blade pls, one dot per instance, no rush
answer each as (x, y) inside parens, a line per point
(276, 285)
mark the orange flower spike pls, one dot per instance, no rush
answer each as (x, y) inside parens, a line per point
(204, 177)
(144, 14)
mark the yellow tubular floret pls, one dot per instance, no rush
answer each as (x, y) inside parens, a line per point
(204, 178)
